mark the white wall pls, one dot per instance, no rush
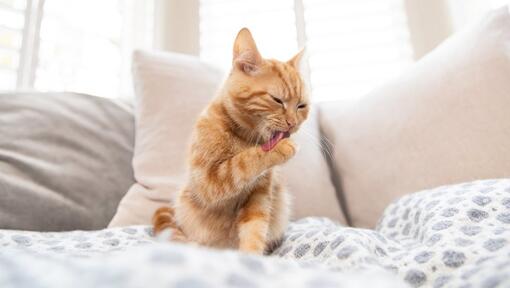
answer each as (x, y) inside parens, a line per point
(429, 24)
(177, 26)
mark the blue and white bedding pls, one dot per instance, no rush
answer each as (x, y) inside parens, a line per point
(451, 236)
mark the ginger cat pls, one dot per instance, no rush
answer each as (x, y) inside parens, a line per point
(233, 197)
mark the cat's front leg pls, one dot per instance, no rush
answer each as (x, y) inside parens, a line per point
(253, 221)
(227, 179)
(254, 161)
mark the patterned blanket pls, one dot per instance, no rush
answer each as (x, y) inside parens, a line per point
(451, 236)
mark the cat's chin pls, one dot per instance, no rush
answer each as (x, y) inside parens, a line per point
(276, 137)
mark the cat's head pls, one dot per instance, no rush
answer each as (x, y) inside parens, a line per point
(264, 96)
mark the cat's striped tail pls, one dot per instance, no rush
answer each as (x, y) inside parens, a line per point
(163, 221)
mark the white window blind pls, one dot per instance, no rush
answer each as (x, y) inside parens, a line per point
(85, 46)
(12, 22)
(272, 24)
(352, 45)
(355, 45)
(72, 45)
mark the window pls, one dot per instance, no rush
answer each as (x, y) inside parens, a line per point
(12, 23)
(81, 55)
(355, 45)
(73, 45)
(220, 20)
(352, 45)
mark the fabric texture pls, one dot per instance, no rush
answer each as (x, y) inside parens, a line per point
(445, 121)
(171, 91)
(175, 266)
(64, 160)
(450, 236)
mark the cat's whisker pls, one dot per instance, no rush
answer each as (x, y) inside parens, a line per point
(328, 146)
(323, 145)
(313, 140)
(255, 135)
(310, 137)
(251, 137)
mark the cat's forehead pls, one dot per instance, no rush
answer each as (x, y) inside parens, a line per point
(284, 80)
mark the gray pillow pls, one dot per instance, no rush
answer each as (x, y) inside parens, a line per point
(65, 160)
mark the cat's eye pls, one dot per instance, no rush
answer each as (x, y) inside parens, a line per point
(277, 100)
(301, 106)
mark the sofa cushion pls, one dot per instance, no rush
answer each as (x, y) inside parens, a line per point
(64, 160)
(446, 120)
(171, 91)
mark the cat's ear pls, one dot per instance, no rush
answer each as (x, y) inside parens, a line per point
(296, 60)
(246, 55)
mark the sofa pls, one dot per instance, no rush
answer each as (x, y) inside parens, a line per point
(407, 186)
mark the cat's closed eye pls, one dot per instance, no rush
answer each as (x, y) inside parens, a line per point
(277, 100)
(301, 106)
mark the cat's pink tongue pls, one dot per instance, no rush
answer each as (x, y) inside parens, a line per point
(275, 138)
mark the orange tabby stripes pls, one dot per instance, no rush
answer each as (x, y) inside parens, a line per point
(234, 197)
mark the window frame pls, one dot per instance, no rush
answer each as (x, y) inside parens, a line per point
(303, 35)
(29, 45)
(29, 50)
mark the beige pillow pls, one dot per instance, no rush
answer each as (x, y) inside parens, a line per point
(447, 120)
(171, 91)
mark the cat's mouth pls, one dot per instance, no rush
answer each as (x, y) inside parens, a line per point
(276, 137)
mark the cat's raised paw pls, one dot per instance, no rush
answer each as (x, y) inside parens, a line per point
(286, 148)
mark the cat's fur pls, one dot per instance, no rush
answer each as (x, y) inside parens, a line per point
(234, 197)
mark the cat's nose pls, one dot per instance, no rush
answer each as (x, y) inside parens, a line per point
(291, 123)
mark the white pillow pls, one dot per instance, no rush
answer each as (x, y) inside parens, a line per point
(171, 91)
(447, 120)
